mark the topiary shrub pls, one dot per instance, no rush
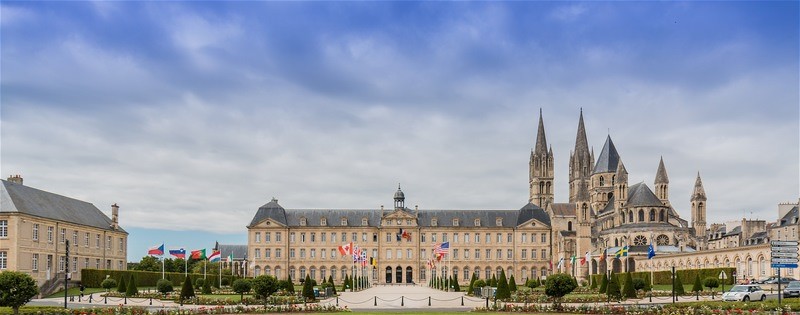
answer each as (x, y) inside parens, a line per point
(639, 284)
(187, 291)
(308, 289)
(122, 286)
(711, 283)
(557, 286)
(199, 282)
(333, 286)
(512, 284)
(164, 286)
(698, 286)
(678, 285)
(613, 290)
(241, 286)
(226, 282)
(603, 284)
(207, 287)
(264, 286)
(132, 290)
(629, 290)
(503, 292)
(108, 284)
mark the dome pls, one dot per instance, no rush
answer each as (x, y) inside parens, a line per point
(399, 195)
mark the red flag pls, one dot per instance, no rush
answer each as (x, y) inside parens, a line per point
(346, 249)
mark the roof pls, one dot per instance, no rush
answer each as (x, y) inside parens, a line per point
(239, 252)
(609, 205)
(661, 174)
(622, 173)
(791, 217)
(640, 195)
(698, 193)
(581, 144)
(568, 233)
(608, 159)
(291, 217)
(18, 198)
(563, 209)
(541, 139)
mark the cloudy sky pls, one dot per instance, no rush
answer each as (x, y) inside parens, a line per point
(192, 115)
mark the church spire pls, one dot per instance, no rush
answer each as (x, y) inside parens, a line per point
(661, 174)
(541, 139)
(699, 193)
(581, 144)
(622, 173)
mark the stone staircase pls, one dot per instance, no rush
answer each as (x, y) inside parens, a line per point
(54, 284)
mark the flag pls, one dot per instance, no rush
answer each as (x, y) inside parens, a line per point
(405, 234)
(603, 256)
(199, 254)
(622, 252)
(373, 261)
(586, 258)
(442, 248)
(439, 256)
(356, 254)
(551, 265)
(399, 235)
(157, 250)
(230, 257)
(215, 256)
(179, 253)
(346, 249)
(560, 263)
(651, 252)
(572, 260)
(363, 258)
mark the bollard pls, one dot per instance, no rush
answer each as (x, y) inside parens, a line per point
(126, 299)
(402, 300)
(80, 297)
(105, 300)
(429, 301)
(487, 302)
(151, 301)
(374, 301)
(650, 293)
(462, 300)
(337, 301)
(90, 298)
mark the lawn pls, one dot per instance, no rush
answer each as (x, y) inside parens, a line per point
(234, 297)
(76, 291)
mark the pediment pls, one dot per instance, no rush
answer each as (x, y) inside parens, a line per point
(533, 224)
(268, 223)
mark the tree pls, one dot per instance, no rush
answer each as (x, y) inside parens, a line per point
(264, 286)
(241, 286)
(333, 286)
(122, 286)
(603, 283)
(17, 289)
(698, 286)
(557, 286)
(187, 291)
(308, 289)
(344, 284)
(132, 290)
(456, 287)
(493, 282)
(207, 286)
(108, 284)
(471, 286)
(711, 283)
(594, 284)
(199, 282)
(149, 263)
(678, 285)
(289, 285)
(512, 284)
(639, 284)
(612, 289)
(164, 286)
(629, 290)
(502, 287)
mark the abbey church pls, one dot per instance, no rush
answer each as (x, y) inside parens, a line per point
(607, 213)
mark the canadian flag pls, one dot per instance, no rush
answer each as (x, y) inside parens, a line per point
(346, 249)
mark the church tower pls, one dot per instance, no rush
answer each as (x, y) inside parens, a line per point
(601, 184)
(620, 189)
(662, 183)
(581, 162)
(540, 176)
(699, 208)
(583, 212)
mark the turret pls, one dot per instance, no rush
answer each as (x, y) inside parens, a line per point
(662, 183)
(621, 186)
(114, 216)
(399, 199)
(541, 169)
(603, 176)
(699, 208)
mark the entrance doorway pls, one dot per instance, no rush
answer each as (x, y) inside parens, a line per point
(388, 274)
(399, 274)
(409, 275)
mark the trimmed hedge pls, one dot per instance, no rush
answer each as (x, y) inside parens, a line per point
(664, 277)
(92, 278)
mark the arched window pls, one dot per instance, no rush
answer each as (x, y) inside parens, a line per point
(613, 179)
(630, 216)
(541, 187)
(569, 226)
(267, 270)
(257, 271)
(585, 212)
(639, 240)
(661, 216)
(622, 217)
(548, 187)
(610, 195)
(616, 242)
(601, 181)
(641, 215)
(652, 215)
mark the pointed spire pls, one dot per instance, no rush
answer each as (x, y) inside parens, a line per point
(583, 191)
(622, 173)
(551, 150)
(608, 159)
(661, 174)
(541, 139)
(699, 192)
(581, 144)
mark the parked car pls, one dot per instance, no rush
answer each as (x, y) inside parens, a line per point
(763, 280)
(793, 289)
(783, 280)
(745, 293)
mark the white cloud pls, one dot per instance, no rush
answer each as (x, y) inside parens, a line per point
(12, 15)
(568, 13)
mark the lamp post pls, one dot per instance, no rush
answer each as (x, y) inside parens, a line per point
(66, 271)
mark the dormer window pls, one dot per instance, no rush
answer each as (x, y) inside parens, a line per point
(498, 221)
(434, 222)
(323, 222)
(455, 222)
(344, 221)
(302, 221)
(477, 222)
(364, 222)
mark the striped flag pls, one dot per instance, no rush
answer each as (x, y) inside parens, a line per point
(442, 248)
(215, 256)
(178, 253)
(157, 250)
(199, 254)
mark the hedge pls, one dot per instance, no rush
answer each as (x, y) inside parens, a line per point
(665, 276)
(92, 278)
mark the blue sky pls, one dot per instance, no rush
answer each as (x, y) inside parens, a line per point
(191, 115)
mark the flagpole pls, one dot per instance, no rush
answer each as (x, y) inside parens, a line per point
(220, 271)
(205, 268)
(185, 266)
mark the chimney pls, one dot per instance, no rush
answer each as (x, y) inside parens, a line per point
(16, 179)
(114, 216)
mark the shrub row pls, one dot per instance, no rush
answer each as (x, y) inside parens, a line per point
(665, 277)
(92, 278)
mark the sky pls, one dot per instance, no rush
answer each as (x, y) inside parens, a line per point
(191, 115)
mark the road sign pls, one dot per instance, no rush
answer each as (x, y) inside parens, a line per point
(783, 243)
(784, 255)
(784, 260)
(784, 249)
(722, 275)
(783, 266)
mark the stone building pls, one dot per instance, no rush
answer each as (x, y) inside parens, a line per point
(35, 225)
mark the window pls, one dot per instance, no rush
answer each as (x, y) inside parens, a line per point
(121, 244)
(50, 235)
(466, 273)
(544, 237)
(388, 254)
(364, 222)
(509, 238)
(302, 237)
(524, 254)
(86, 263)
(408, 253)
(75, 238)
(313, 253)
(291, 253)
(364, 237)
(291, 237)
(509, 253)
(639, 240)
(433, 237)
(466, 237)
(455, 237)
(499, 238)
(258, 237)
(277, 253)
(267, 253)
(333, 237)
(422, 253)
(477, 254)
(344, 222)
(488, 253)
(477, 238)
(488, 238)
(344, 237)
(499, 253)
(354, 237)
(498, 221)
(524, 237)
(455, 222)
(63, 235)
(533, 254)
(97, 240)
(422, 237)
(466, 253)
(60, 263)
(374, 237)
(97, 263)
(74, 264)
(277, 236)
(324, 237)
(477, 222)
(399, 254)
(444, 237)
(569, 226)
(257, 253)
(36, 231)
(86, 239)
(3, 228)
(108, 242)
(324, 253)
(641, 215)
(388, 237)
(302, 221)
(434, 222)
(313, 237)
(652, 215)
(35, 262)
(267, 237)
(302, 253)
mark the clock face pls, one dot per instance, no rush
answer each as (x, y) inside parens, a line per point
(399, 222)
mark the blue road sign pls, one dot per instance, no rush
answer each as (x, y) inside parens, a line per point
(784, 266)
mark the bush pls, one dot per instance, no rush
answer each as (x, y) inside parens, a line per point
(711, 283)
(639, 284)
(603, 283)
(132, 290)
(17, 289)
(264, 286)
(698, 286)
(308, 289)
(480, 283)
(207, 286)
(199, 282)
(503, 292)
(557, 286)
(241, 286)
(164, 286)
(187, 291)
(613, 290)
(108, 284)
(93, 278)
(333, 286)
(629, 290)
(678, 285)
(594, 283)
(471, 286)
(512, 284)
(122, 286)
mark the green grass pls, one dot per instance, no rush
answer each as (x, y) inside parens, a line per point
(234, 297)
(87, 291)
(686, 288)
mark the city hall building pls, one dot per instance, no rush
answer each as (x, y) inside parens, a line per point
(604, 213)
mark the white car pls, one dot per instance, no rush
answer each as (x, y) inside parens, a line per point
(745, 293)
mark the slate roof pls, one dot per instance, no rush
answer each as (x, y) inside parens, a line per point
(291, 217)
(661, 173)
(609, 205)
(568, 233)
(563, 209)
(640, 195)
(608, 159)
(790, 218)
(735, 231)
(239, 251)
(18, 198)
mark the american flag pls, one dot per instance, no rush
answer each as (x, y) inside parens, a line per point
(442, 248)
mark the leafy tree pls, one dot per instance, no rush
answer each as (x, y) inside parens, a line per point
(333, 286)
(164, 286)
(503, 292)
(132, 290)
(289, 285)
(308, 289)
(711, 283)
(639, 284)
(603, 283)
(149, 263)
(698, 286)
(264, 286)
(241, 286)
(678, 285)
(629, 290)
(207, 286)
(225, 281)
(512, 284)
(538, 282)
(122, 286)
(187, 291)
(199, 282)
(557, 286)
(16, 289)
(108, 284)
(612, 289)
